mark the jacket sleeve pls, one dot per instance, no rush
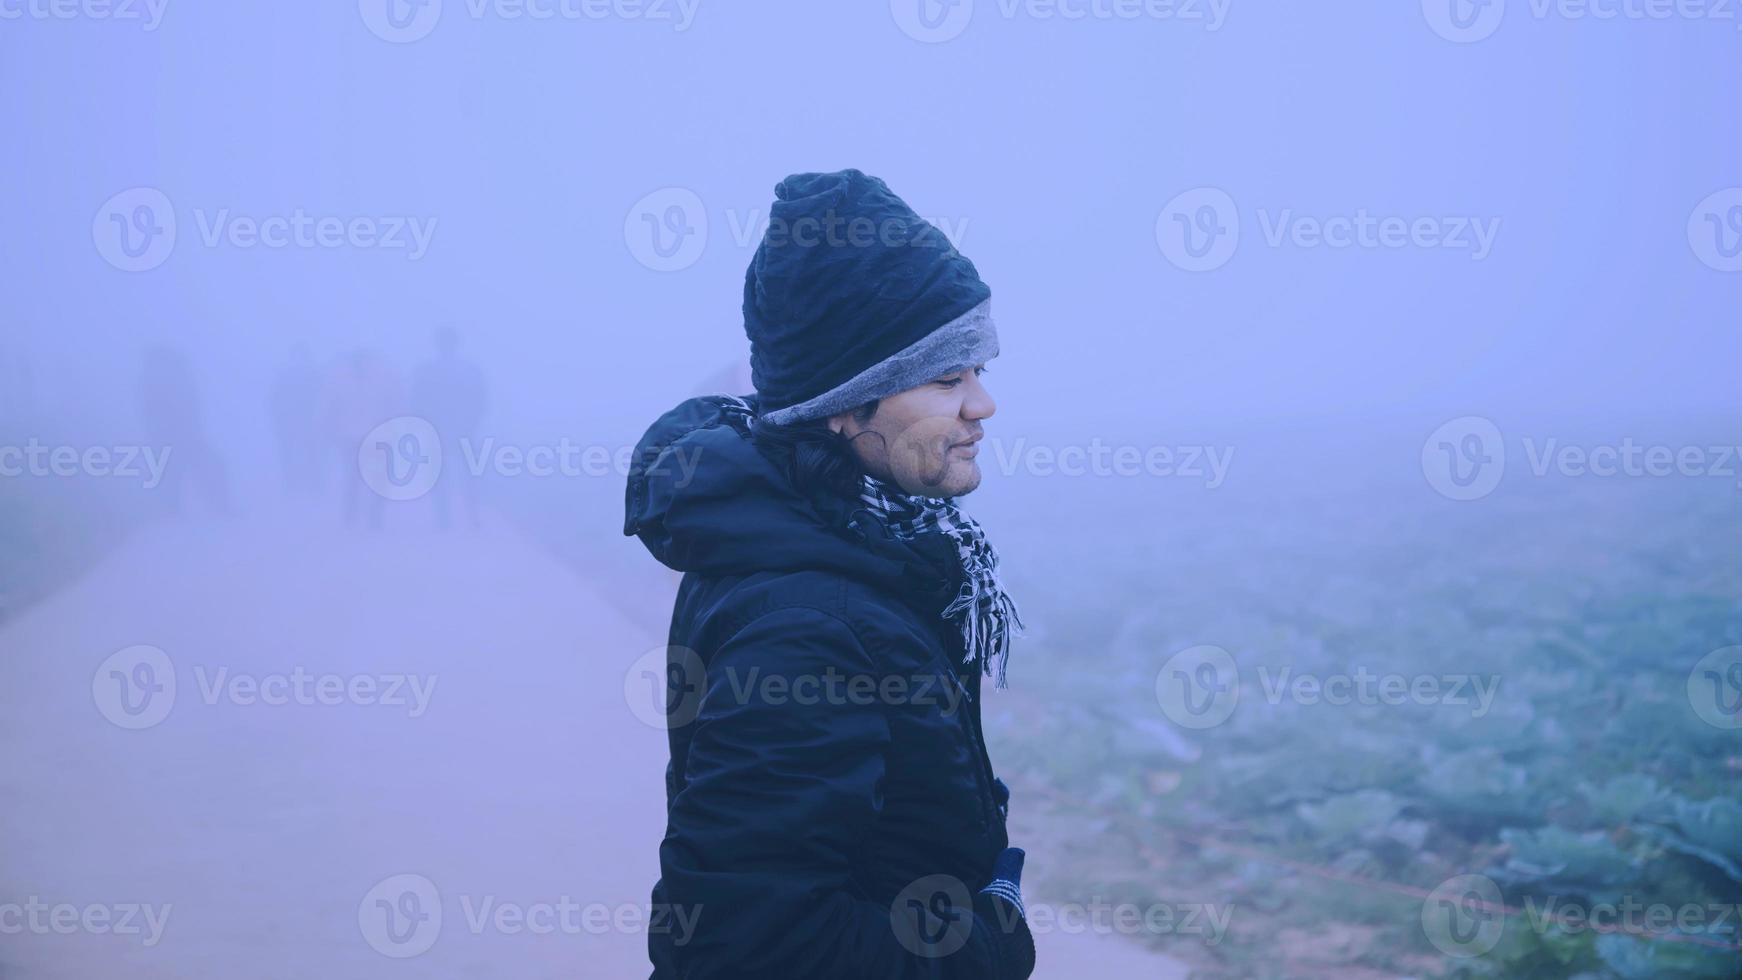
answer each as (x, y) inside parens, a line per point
(783, 785)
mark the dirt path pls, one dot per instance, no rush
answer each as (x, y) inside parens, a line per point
(479, 742)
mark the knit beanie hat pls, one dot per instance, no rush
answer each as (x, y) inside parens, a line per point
(851, 297)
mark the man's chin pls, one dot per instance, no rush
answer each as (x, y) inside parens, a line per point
(970, 480)
(962, 477)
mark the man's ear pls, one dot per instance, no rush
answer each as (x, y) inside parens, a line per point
(838, 423)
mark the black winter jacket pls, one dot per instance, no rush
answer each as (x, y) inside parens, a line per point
(829, 783)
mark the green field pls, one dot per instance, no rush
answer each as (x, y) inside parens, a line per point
(1588, 777)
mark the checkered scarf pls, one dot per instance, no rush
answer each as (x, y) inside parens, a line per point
(985, 612)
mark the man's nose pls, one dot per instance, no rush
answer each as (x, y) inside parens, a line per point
(978, 403)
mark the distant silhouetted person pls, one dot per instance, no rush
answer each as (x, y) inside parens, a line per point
(448, 391)
(15, 386)
(169, 408)
(362, 392)
(296, 404)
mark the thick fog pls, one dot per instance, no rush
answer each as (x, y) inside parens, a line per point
(1394, 336)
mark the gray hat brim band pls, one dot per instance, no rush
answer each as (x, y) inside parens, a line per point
(968, 340)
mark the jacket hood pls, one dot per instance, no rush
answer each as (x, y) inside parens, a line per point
(703, 498)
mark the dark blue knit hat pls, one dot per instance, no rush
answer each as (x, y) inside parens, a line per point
(852, 296)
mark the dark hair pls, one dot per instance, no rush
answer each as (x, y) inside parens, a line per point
(815, 457)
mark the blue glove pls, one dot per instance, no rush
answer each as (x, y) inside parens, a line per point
(999, 907)
(1006, 880)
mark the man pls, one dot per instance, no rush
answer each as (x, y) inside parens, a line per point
(831, 808)
(294, 402)
(450, 393)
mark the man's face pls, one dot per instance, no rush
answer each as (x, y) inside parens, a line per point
(925, 439)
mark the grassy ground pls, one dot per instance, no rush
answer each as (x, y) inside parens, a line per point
(1590, 775)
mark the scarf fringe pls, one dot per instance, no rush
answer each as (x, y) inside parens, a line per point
(986, 613)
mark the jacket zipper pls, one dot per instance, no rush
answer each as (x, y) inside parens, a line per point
(983, 778)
